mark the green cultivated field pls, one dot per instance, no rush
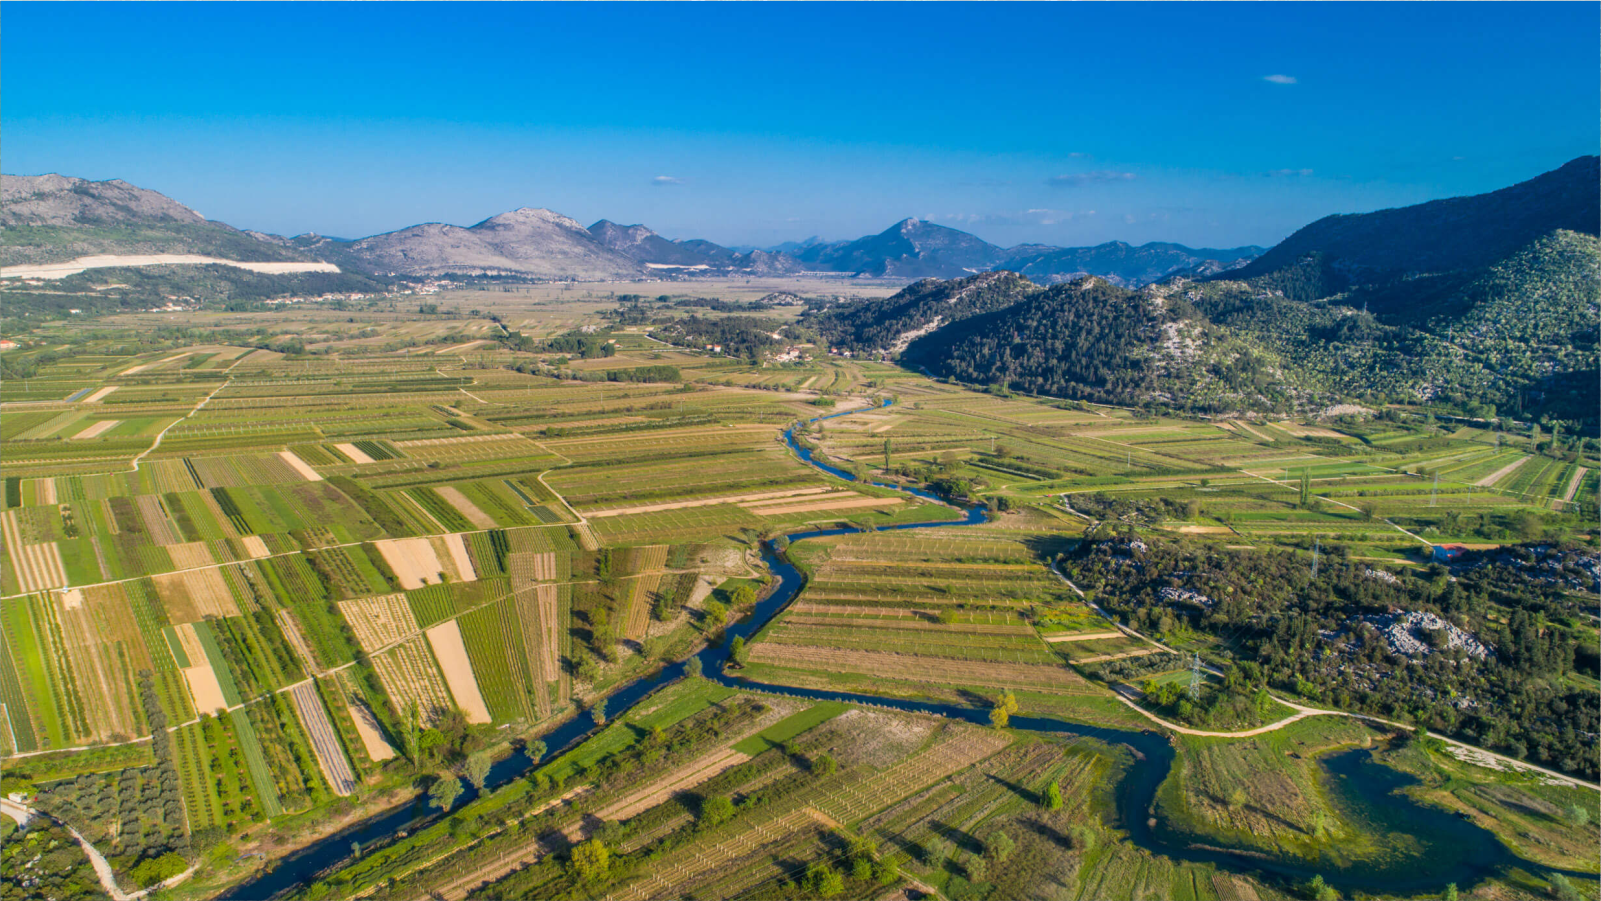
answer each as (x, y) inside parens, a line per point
(451, 547)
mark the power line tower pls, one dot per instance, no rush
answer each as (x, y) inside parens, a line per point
(1435, 491)
(1316, 546)
(1195, 675)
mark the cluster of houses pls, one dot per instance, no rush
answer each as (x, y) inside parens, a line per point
(794, 353)
(329, 298)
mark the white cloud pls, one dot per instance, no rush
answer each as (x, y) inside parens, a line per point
(1280, 79)
(1287, 173)
(1077, 179)
(1035, 216)
(666, 181)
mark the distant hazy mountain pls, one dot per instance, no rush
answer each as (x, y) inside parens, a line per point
(1340, 252)
(795, 247)
(913, 248)
(645, 246)
(54, 218)
(530, 242)
(1119, 263)
(910, 248)
(760, 262)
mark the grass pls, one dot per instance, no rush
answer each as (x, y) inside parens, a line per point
(663, 709)
(777, 734)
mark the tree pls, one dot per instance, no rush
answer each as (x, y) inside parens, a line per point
(822, 881)
(692, 668)
(413, 726)
(446, 789)
(824, 765)
(1450, 892)
(1053, 796)
(887, 453)
(861, 869)
(975, 868)
(716, 613)
(737, 651)
(999, 847)
(1321, 891)
(743, 596)
(536, 750)
(715, 811)
(863, 854)
(591, 861)
(598, 711)
(1563, 890)
(478, 769)
(999, 718)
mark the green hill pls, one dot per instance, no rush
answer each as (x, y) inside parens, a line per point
(1516, 338)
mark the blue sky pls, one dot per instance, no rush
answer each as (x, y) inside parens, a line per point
(1065, 123)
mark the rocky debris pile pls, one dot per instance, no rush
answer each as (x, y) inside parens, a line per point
(1419, 634)
(1186, 596)
(1382, 575)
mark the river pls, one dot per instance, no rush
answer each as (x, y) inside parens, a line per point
(1438, 847)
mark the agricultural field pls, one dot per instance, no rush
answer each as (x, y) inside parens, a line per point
(948, 615)
(248, 598)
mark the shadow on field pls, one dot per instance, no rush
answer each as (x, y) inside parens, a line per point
(1034, 798)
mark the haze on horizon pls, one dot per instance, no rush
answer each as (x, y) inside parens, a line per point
(1068, 124)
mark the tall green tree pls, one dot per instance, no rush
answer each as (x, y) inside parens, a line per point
(446, 789)
(478, 769)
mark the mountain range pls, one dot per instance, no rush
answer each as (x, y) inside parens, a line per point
(54, 218)
(1482, 302)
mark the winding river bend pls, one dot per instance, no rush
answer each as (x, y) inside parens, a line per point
(1423, 847)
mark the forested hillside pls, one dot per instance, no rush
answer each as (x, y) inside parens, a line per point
(1085, 339)
(891, 323)
(1512, 334)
